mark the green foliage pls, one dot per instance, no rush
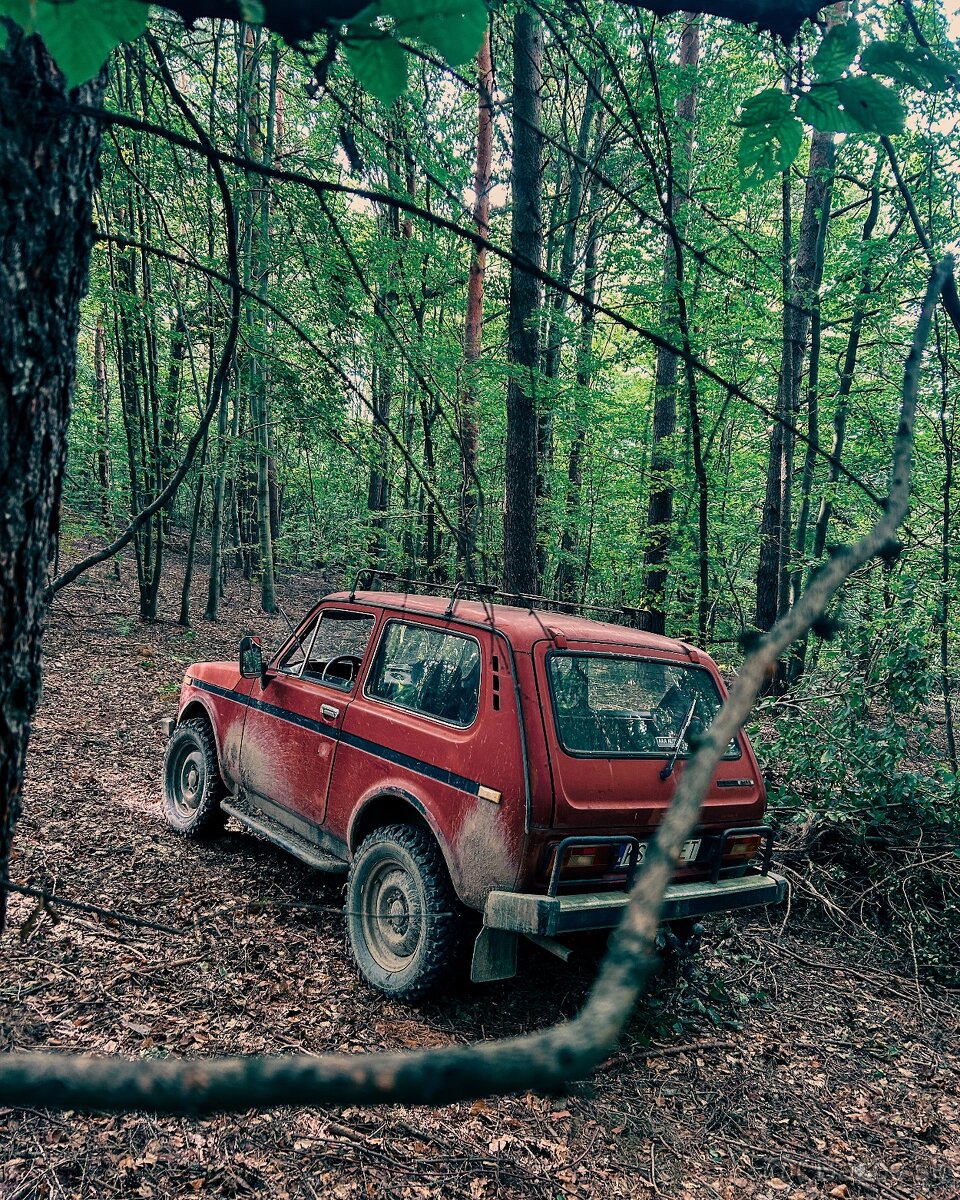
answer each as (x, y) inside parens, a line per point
(859, 749)
(79, 34)
(913, 65)
(868, 106)
(454, 28)
(836, 52)
(378, 61)
(771, 136)
(834, 100)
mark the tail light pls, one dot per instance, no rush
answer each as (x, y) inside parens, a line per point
(743, 848)
(582, 862)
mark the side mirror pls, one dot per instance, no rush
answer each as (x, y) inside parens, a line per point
(251, 658)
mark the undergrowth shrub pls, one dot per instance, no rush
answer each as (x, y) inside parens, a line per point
(855, 764)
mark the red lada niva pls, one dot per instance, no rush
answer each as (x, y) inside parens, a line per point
(458, 757)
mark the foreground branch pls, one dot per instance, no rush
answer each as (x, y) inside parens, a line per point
(300, 22)
(543, 1060)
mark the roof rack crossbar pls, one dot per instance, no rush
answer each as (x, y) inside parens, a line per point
(487, 591)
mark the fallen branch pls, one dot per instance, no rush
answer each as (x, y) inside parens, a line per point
(545, 1060)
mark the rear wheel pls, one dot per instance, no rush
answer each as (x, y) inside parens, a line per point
(192, 787)
(404, 920)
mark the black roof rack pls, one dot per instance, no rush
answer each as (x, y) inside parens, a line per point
(463, 589)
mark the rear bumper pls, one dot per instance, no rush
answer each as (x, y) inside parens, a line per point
(550, 916)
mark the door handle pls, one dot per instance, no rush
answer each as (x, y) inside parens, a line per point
(328, 711)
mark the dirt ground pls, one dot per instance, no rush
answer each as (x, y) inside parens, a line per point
(793, 1063)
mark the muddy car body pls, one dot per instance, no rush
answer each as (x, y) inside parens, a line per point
(458, 755)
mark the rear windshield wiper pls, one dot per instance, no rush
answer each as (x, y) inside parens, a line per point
(668, 769)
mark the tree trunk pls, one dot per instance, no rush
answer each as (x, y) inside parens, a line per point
(558, 304)
(570, 538)
(526, 240)
(470, 495)
(660, 503)
(48, 169)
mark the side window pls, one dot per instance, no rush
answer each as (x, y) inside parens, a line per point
(429, 671)
(331, 649)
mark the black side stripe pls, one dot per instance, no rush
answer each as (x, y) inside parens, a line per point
(387, 753)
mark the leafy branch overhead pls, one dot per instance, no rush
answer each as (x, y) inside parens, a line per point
(836, 98)
(81, 34)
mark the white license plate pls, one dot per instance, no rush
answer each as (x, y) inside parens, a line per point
(691, 848)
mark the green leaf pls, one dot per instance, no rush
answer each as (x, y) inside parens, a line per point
(767, 150)
(378, 61)
(80, 34)
(454, 27)
(870, 105)
(21, 12)
(253, 12)
(771, 138)
(912, 65)
(820, 107)
(836, 52)
(765, 108)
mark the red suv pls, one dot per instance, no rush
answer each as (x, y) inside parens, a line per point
(451, 755)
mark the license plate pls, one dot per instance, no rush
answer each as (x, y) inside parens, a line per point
(691, 848)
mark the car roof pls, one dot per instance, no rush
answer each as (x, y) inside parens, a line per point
(523, 626)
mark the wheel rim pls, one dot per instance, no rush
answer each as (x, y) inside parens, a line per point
(391, 916)
(187, 779)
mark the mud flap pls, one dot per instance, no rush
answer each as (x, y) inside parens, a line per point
(494, 955)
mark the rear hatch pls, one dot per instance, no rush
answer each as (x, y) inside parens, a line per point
(616, 716)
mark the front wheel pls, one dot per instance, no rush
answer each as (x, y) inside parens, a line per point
(192, 787)
(404, 920)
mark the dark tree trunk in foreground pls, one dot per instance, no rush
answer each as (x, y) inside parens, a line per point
(526, 240)
(47, 175)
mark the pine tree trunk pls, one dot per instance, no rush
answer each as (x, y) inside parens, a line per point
(526, 240)
(48, 169)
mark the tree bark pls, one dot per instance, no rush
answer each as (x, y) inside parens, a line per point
(660, 503)
(470, 495)
(570, 538)
(48, 169)
(526, 240)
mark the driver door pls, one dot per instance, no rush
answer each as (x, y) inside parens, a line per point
(293, 721)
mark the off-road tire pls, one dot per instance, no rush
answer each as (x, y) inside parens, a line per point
(405, 923)
(192, 787)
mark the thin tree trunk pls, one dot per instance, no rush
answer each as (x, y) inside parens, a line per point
(471, 497)
(672, 312)
(194, 533)
(864, 292)
(570, 538)
(558, 304)
(103, 451)
(526, 240)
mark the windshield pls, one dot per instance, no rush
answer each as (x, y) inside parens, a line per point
(609, 705)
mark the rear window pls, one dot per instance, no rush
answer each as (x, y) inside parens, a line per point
(614, 705)
(429, 671)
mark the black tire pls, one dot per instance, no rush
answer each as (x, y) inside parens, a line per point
(404, 920)
(192, 787)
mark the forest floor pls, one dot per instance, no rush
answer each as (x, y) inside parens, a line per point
(794, 1063)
